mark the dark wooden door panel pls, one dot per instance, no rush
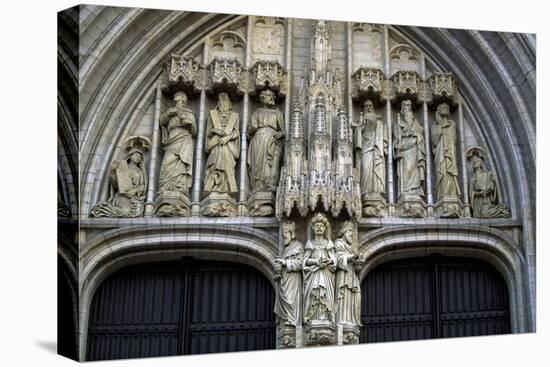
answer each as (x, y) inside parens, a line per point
(433, 297)
(181, 308)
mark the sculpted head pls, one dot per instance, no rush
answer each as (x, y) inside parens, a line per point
(346, 232)
(136, 157)
(320, 225)
(443, 109)
(267, 97)
(180, 98)
(289, 232)
(224, 103)
(475, 156)
(369, 106)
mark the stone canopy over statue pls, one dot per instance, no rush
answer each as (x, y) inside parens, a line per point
(266, 133)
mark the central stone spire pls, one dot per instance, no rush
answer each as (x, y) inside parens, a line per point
(328, 182)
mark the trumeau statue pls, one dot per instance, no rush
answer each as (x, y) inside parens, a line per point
(178, 128)
(371, 144)
(222, 147)
(443, 138)
(267, 131)
(319, 265)
(128, 185)
(410, 152)
(484, 196)
(348, 287)
(288, 274)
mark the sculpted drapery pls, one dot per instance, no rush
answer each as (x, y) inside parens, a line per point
(348, 286)
(222, 147)
(484, 196)
(371, 144)
(266, 131)
(288, 270)
(410, 152)
(319, 265)
(178, 128)
(127, 189)
(443, 139)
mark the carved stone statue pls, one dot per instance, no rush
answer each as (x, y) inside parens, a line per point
(371, 144)
(410, 152)
(443, 137)
(222, 147)
(266, 131)
(128, 185)
(484, 196)
(319, 265)
(178, 128)
(288, 274)
(348, 287)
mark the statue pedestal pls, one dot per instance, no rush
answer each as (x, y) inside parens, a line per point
(219, 205)
(350, 334)
(261, 204)
(411, 206)
(319, 333)
(172, 204)
(374, 205)
(287, 337)
(449, 207)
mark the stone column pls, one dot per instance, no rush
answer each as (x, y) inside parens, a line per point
(151, 185)
(242, 209)
(199, 147)
(465, 195)
(429, 193)
(390, 190)
(289, 81)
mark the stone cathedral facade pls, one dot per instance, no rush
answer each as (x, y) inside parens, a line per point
(236, 182)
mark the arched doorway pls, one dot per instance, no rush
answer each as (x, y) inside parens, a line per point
(433, 297)
(182, 307)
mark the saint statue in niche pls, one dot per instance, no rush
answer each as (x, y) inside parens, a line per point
(348, 287)
(443, 137)
(222, 147)
(319, 265)
(288, 273)
(128, 184)
(410, 152)
(266, 131)
(371, 143)
(178, 128)
(484, 196)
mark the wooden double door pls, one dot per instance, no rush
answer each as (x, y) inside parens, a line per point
(183, 307)
(433, 297)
